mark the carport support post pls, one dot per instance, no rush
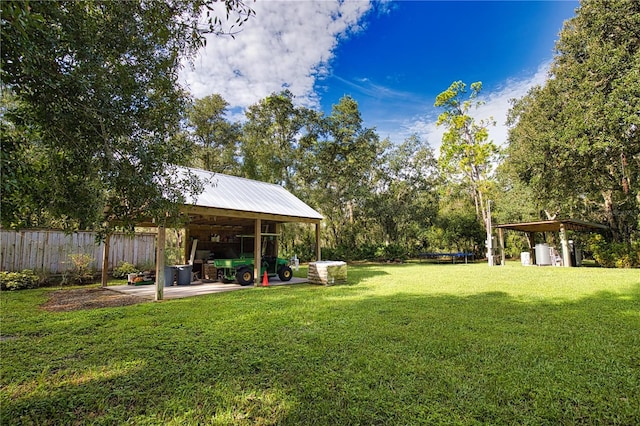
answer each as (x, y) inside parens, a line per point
(566, 255)
(501, 242)
(160, 278)
(257, 252)
(187, 247)
(318, 242)
(105, 260)
(531, 238)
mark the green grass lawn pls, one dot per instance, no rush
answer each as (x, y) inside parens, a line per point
(399, 345)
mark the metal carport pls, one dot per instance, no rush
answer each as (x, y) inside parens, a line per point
(559, 225)
(230, 201)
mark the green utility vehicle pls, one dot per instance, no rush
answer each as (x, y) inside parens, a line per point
(241, 269)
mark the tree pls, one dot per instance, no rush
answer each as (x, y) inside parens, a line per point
(466, 154)
(96, 88)
(404, 201)
(456, 227)
(270, 138)
(515, 201)
(340, 157)
(576, 140)
(216, 138)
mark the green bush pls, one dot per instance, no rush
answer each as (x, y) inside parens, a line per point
(614, 255)
(124, 269)
(306, 252)
(369, 252)
(374, 252)
(81, 271)
(19, 280)
(515, 244)
(338, 253)
(391, 252)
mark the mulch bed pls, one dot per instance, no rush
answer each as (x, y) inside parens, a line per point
(88, 298)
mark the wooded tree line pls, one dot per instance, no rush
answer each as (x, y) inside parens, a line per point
(93, 116)
(377, 198)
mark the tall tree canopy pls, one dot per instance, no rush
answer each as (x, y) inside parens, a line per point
(404, 202)
(270, 138)
(95, 89)
(466, 153)
(337, 168)
(216, 139)
(576, 140)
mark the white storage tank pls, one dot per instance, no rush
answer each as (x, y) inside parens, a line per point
(543, 255)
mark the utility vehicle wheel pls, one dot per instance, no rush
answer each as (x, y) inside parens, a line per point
(285, 273)
(244, 276)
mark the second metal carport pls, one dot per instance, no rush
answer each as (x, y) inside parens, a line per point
(560, 225)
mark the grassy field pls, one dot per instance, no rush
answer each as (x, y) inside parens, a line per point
(399, 345)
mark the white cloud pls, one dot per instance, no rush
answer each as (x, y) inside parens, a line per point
(288, 44)
(497, 105)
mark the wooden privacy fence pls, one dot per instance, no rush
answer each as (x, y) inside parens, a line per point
(51, 250)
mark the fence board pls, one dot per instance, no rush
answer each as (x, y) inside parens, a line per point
(51, 250)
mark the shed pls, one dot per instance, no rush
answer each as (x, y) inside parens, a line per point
(559, 225)
(229, 206)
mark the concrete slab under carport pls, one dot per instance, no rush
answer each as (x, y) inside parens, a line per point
(194, 289)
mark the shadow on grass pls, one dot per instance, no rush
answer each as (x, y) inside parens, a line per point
(399, 359)
(362, 273)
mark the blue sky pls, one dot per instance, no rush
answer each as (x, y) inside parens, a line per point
(392, 57)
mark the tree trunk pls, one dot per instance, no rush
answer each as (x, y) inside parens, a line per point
(610, 215)
(483, 210)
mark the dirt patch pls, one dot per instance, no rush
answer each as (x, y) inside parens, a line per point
(88, 298)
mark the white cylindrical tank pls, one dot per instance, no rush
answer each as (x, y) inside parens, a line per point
(543, 255)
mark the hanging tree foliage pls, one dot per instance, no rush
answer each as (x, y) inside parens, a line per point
(95, 105)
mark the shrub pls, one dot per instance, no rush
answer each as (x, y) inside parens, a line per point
(306, 252)
(391, 252)
(377, 252)
(614, 255)
(147, 266)
(124, 269)
(515, 244)
(367, 252)
(19, 280)
(338, 253)
(81, 271)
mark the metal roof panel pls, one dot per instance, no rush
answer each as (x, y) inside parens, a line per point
(553, 226)
(236, 193)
